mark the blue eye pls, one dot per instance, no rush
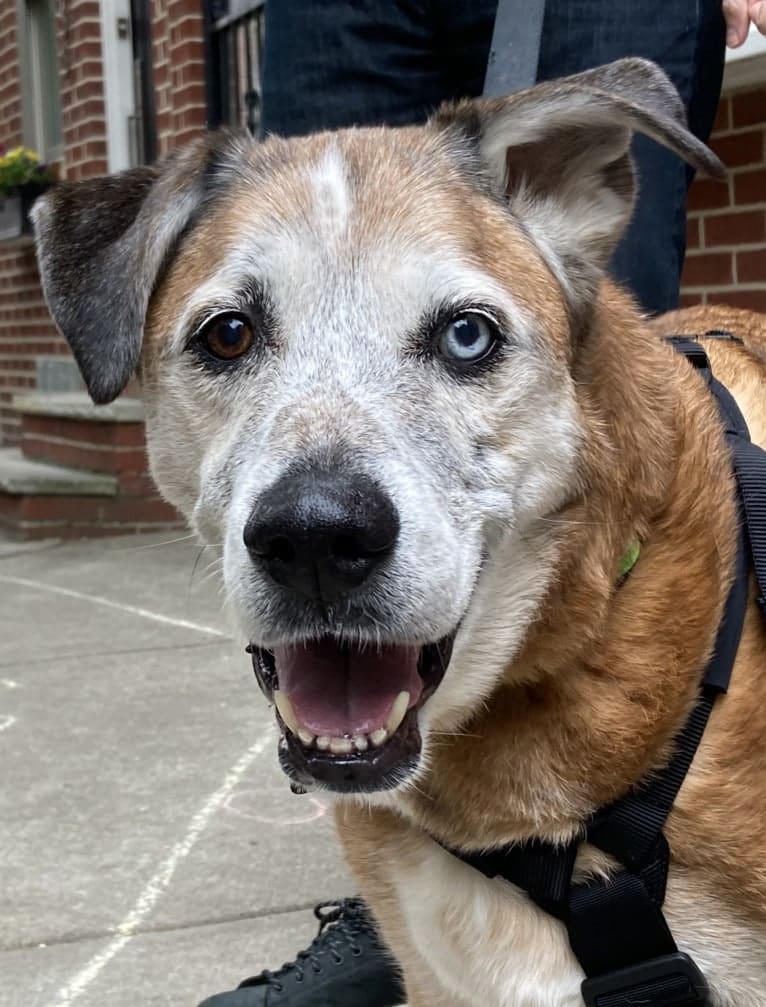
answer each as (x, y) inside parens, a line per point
(227, 337)
(467, 339)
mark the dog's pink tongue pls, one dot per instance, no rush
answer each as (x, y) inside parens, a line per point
(336, 690)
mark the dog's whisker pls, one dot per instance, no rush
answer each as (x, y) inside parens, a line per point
(157, 545)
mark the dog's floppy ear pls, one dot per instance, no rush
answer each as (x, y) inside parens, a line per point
(561, 152)
(101, 246)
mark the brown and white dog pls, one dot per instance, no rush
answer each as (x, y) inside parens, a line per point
(385, 373)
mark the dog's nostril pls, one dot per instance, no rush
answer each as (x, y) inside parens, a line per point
(349, 547)
(280, 549)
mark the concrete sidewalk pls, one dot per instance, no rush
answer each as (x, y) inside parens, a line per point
(150, 849)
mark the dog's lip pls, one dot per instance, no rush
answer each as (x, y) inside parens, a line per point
(379, 767)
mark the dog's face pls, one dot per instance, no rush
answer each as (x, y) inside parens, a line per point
(357, 397)
(356, 360)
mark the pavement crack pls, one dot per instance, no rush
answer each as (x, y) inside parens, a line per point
(160, 928)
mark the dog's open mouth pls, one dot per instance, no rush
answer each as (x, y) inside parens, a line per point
(349, 715)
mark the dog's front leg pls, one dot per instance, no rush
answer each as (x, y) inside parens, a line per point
(376, 843)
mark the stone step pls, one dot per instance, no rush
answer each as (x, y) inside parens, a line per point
(39, 500)
(65, 428)
(20, 476)
(78, 406)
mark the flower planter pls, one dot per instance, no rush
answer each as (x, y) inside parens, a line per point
(15, 224)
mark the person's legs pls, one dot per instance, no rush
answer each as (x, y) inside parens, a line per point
(329, 65)
(686, 39)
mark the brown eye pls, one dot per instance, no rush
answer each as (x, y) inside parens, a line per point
(227, 337)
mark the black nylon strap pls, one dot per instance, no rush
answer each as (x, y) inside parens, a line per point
(616, 927)
(515, 49)
(750, 465)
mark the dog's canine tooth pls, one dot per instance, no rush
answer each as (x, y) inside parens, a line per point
(377, 738)
(341, 746)
(398, 710)
(306, 737)
(286, 712)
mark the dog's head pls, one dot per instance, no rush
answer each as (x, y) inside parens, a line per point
(355, 351)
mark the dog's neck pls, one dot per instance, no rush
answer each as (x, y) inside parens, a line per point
(606, 673)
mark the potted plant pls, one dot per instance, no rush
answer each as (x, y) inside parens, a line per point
(23, 177)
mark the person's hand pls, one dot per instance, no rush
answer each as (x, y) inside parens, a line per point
(738, 14)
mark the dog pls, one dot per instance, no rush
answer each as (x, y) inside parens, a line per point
(385, 372)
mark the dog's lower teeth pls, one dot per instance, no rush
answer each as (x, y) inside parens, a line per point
(341, 746)
(346, 745)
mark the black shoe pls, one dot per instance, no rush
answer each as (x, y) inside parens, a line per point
(346, 965)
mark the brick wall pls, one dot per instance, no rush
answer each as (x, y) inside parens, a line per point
(26, 332)
(179, 71)
(83, 115)
(726, 256)
(25, 326)
(26, 329)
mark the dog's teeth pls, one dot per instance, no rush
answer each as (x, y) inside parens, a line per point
(361, 743)
(398, 710)
(323, 743)
(378, 737)
(341, 746)
(286, 712)
(306, 737)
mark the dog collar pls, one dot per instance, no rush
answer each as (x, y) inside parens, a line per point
(628, 560)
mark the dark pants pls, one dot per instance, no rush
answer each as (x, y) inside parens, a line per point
(335, 63)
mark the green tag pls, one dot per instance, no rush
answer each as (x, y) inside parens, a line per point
(629, 559)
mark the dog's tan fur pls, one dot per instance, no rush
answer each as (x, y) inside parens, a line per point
(607, 675)
(588, 681)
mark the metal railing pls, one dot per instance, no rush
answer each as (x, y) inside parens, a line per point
(234, 41)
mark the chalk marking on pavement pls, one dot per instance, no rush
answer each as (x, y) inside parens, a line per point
(157, 885)
(6, 721)
(108, 603)
(317, 808)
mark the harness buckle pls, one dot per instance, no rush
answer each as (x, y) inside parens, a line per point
(668, 981)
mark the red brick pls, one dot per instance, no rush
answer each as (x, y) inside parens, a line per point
(82, 456)
(747, 109)
(751, 266)
(103, 434)
(708, 269)
(137, 483)
(708, 194)
(754, 300)
(735, 228)
(750, 187)
(693, 232)
(723, 116)
(741, 148)
(139, 510)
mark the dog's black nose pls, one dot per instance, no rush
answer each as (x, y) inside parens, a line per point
(322, 533)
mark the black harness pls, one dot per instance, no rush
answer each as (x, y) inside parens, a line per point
(616, 928)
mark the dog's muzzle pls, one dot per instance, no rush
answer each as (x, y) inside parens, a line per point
(349, 712)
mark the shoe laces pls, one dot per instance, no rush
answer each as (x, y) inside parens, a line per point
(341, 922)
